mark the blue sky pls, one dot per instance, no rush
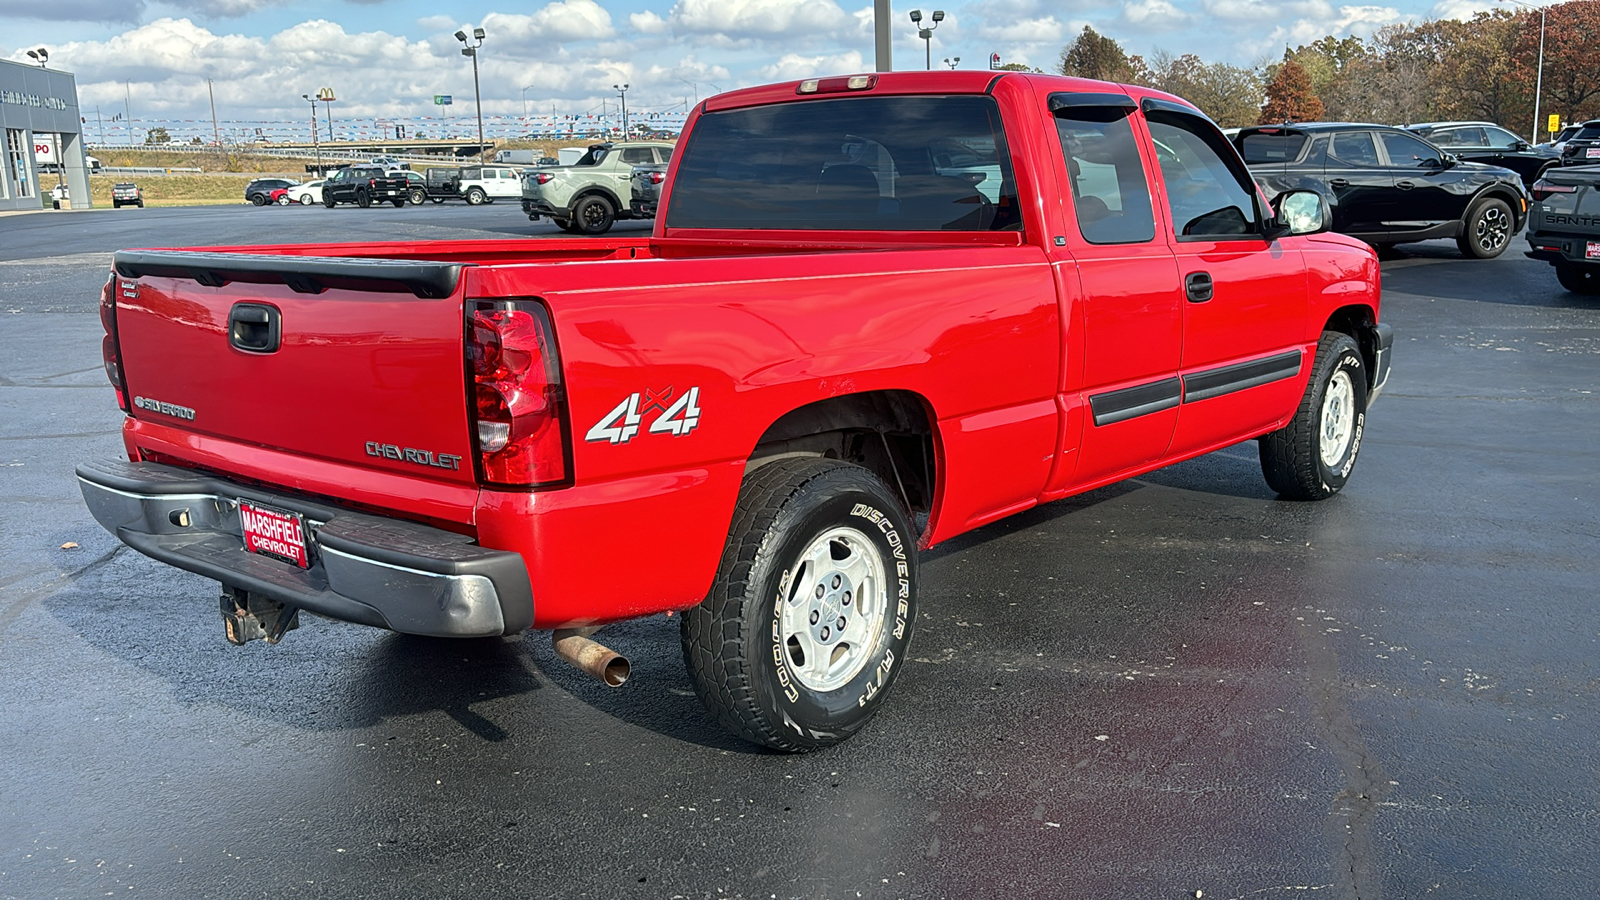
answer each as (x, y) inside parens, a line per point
(389, 57)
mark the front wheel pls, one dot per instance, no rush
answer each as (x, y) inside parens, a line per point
(809, 620)
(1578, 278)
(476, 196)
(417, 196)
(1311, 457)
(284, 200)
(438, 199)
(328, 201)
(1487, 231)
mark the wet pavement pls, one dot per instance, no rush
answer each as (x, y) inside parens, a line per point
(1171, 686)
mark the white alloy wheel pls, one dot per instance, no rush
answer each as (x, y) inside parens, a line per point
(834, 612)
(1338, 419)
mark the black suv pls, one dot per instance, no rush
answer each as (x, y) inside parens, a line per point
(260, 191)
(1486, 142)
(1387, 186)
(1583, 148)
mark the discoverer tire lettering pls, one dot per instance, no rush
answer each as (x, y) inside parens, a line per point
(814, 543)
(1311, 457)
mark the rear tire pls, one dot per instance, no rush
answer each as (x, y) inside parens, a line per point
(1486, 231)
(305, 200)
(476, 197)
(438, 199)
(1579, 278)
(1311, 457)
(594, 215)
(258, 199)
(397, 202)
(363, 199)
(814, 543)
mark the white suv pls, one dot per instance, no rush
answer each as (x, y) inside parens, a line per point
(486, 184)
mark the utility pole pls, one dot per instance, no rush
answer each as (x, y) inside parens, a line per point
(880, 34)
(216, 133)
(127, 107)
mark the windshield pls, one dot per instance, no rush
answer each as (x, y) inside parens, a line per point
(856, 164)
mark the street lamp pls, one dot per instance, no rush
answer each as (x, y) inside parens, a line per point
(952, 62)
(471, 49)
(927, 33)
(525, 101)
(314, 144)
(40, 54)
(1538, 84)
(622, 91)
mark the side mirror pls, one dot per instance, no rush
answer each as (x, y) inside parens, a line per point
(1298, 212)
(1519, 146)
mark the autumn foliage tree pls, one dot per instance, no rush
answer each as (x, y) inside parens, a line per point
(1571, 78)
(1290, 97)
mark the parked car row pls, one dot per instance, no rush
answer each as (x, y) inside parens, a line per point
(1389, 186)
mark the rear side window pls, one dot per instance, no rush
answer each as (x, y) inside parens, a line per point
(860, 163)
(637, 156)
(1353, 148)
(1262, 147)
(1408, 152)
(1110, 192)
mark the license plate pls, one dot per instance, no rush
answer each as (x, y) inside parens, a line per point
(1592, 153)
(1592, 251)
(275, 533)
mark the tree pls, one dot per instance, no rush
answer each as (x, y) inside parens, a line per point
(1289, 97)
(1018, 67)
(1093, 55)
(1571, 78)
(1228, 94)
(1477, 76)
(157, 135)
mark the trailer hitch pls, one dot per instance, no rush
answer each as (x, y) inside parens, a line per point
(249, 617)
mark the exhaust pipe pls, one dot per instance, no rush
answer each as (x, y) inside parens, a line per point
(574, 646)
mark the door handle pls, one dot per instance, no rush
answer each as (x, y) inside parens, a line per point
(1404, 185)
(1339, 182)
(1198, 286)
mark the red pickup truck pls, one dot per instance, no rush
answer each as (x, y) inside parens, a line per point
(876, 312)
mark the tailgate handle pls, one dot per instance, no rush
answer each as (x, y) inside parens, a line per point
(255, 327)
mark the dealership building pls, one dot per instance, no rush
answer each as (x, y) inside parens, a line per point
(39, 116)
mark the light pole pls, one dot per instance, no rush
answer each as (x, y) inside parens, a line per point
(952, 62)
(927, 33)
(40, 55)
(471, 49)
(622, 91)
(1538, 84)
(525, 101)
(314, 144)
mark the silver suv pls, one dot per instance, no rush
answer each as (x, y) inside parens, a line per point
(590, 195)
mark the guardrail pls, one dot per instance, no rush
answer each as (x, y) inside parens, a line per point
(150, 170)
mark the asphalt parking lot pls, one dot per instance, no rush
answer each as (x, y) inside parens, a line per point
(1175, 687)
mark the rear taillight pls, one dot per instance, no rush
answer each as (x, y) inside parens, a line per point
(657, 177)
(519, 412)
(1542, 189)
(110, 350)
(544, 178)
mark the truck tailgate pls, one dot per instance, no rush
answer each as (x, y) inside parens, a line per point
(357, 361)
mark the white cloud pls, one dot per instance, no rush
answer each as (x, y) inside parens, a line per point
(792, 66)
(1462, 9)
(648, 22)
(1154, 14)
(564, 20)
(733, 20)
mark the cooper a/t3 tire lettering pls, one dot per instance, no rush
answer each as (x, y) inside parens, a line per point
(809, 620)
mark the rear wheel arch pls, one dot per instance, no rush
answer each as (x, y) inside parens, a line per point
(617, 206)
(892, 433)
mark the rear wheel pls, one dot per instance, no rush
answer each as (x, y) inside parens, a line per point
(1488, 229)
(594, 215)
(363, 199)
(418, 195)
(1311, 457)
(305, 200)
(397, 202)
(438, 199)
(258, 199)
(1579, 278)
(809, 619)
(476, 196)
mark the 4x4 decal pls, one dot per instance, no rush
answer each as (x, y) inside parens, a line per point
(677, 417)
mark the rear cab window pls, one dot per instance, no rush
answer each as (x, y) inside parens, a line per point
(863, 163)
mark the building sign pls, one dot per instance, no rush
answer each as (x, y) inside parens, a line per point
(17, 98)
